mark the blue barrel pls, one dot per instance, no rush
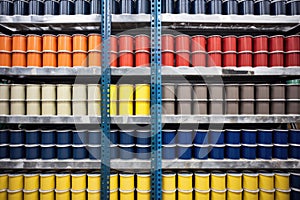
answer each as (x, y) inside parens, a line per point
(280, 151)
(233, 151)
(201, 151)
(79, 152)
(95, 7)
(6, 7)
(185, 137)
(198, 7)
(114, 152)
(264, 136)
(184, 152)
(182, 6)
(249, 151)
(66, 7)
(249, 136)
(246, 7)
(294, 136)
(294, 151)
(115, 7)
(278, 7)
(114, 136)
(80, 137)
(82, 7)
(293, 7)
(94, 137)
(16, 151)
(127, 6)
(64, 137)
(168, 136)
(143, 137)
(295, 180)
(127, 151)
(230, 7)
(48, 137)
(32, 136)
(4, 137)
(233, 136)
(36, 7)
(32, 151)
(48, 152)
(142, 7)
(201, 137)
(169, 152)
(21, 7)
(143, 152)
(217, 152)
(64, 151)
(167, 6)
(264, 151)
(280, 136)
(127, 137)
(94, 152)
(295, 194)
(51, 7)
(262, 7)
(4, 151)
(216, 137)
(214, 7)
(17, 137)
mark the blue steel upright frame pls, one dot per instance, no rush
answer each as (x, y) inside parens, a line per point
(156, 101)
(105, 96)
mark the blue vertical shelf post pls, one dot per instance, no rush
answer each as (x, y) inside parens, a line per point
(105, 96)
(156, 101)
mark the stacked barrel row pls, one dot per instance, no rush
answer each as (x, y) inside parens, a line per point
(200, 185)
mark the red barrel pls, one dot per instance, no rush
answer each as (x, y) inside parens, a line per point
(142, 43)
(126, 43)
(114, 59)
(168, 58)
(244, 43)
(292, 59)
(182, 43)
(229, 59)
(276, 43)
(260, 60)
(214, 43)
(199, 59)
(198, 43)
(142, 58)
(182, 58)
(260, 43)
(113, 43)
(276, 59)
(292, 43)
(229, 43)
(214, 59)
(167, 42)
(245, 59)
(126, 59)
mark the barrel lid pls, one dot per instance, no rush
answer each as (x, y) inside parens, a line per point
(268, 191)
(14, 191)
(77, 191)
(218, 191)
(235, 191)
(218, 173)
(233, 130)
(185, 173)
(202, 191)
(185, 191)
(234, 173)
(168, 174)
(142, 145)
(30, 191)
(295, 189)
(169, 191)
(143, 131)
(281, 145)
(202, 173)
(168, 130)
(233, 145)
(252, 191)
(201, 145)
(281, 130)
(284, 191)
(126, 174)
(61, 191)
(169, 145)
(143, 191)
(198, 36)
(143, 174)
(249, 130)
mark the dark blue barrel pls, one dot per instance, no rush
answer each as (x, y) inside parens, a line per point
(249, 136)
(143, 137)
(293, 7)
(294, 136)
(64, 152)
(233, 151)
(217, 152)
(201, 137)
(79, 152)
(262, 7)
(182, 6)
(246, 7)
(48, 152)
(6, 7)
(167, 6)
(114, 136)
(82, 7)
(95, 7)
(126, 151)
(36, 7)
(295, 194)
(201, 151)
(249, 151)
(168, 136)
(127, 6)
(80, 137)
(278, 7)
(48, 137)
(32, 136)
(198, 7)
(94, 152)
(143, 152)
(169, 152)
(185, 137)
(4, 137)
(264, 136)
(214, 7)
(114, 151)
(216, 137)
(17, 137)
(127, 137)
(4, 151)
(233, 136)
(265, 151)
(280, 136)
(16, 151)
(230, 7)
(21, 7)
(64, 137)
(32, 151)
(115, 6)
(184, 152)
(66, 7)
(280, 151)
(142, 7)
(295, 180)
(51, 7)
(94, 137)
(294, 151)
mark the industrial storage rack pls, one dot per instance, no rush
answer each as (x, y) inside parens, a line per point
(183, 22)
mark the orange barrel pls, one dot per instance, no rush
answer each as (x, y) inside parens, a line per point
(18, 42)
(79, 59)
(34, 42)
(126, 43)
(64, 42)
(142, 43)
(5, 60)
(94, 58)
(182, 43)
(5, 42)
(142, 58)
(19, 59)
(114, 59)
(114, 43)
(79, 42)
(64, 59)
(126, 59)
(94, 42)
(49, 42)
(49, 59)
(34, 59)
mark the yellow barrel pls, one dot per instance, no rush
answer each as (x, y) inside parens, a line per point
(63, 181)
(47, 195)
(78, 181)
(142, 92)
(250, 194)
(94, 181)
(282, 181)
(202, 194)
(31, 182)
(143, 195)
(266, 181)
(185, 195)
(125, 107)
(93, 195)
(47, 182)
(143, 182)
(15, 195)
(113, 92)
(126, 194)
(142, 107)
(218, 181)
(169, 195)
(234, 195)
(78, 195)
(126, 92)
(234, 181)
(168, 181)
(126, 182)
(185, 181)
(218, 194)
(31, 195)
(266, 194)
(114, 182)
(202, 180)
(3, 194)
(250, 181)
(62, 195)
(282, 194)
(113, 108)
(15, 182)
(3, 181)
(113, 195)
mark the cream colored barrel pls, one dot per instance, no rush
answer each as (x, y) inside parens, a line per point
(17, 92)
(94, 92)
(49, 92)
(33, 92)
(79, 92)
(4, 91)
(79, 107)
(64, 92)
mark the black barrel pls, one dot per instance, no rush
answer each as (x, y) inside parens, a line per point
(127, 6)
(278, 7)
(262, 7)
(21, 7)
(246, 7)
(6, 7)
(142, 7)
(167, 6)
(51, 7)
(115, 7)
(214, 7)
(82, 7)
(66, 7)
(198, 7)
(36, 7)
(182, 6)
(230, 7)
(293, 7)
